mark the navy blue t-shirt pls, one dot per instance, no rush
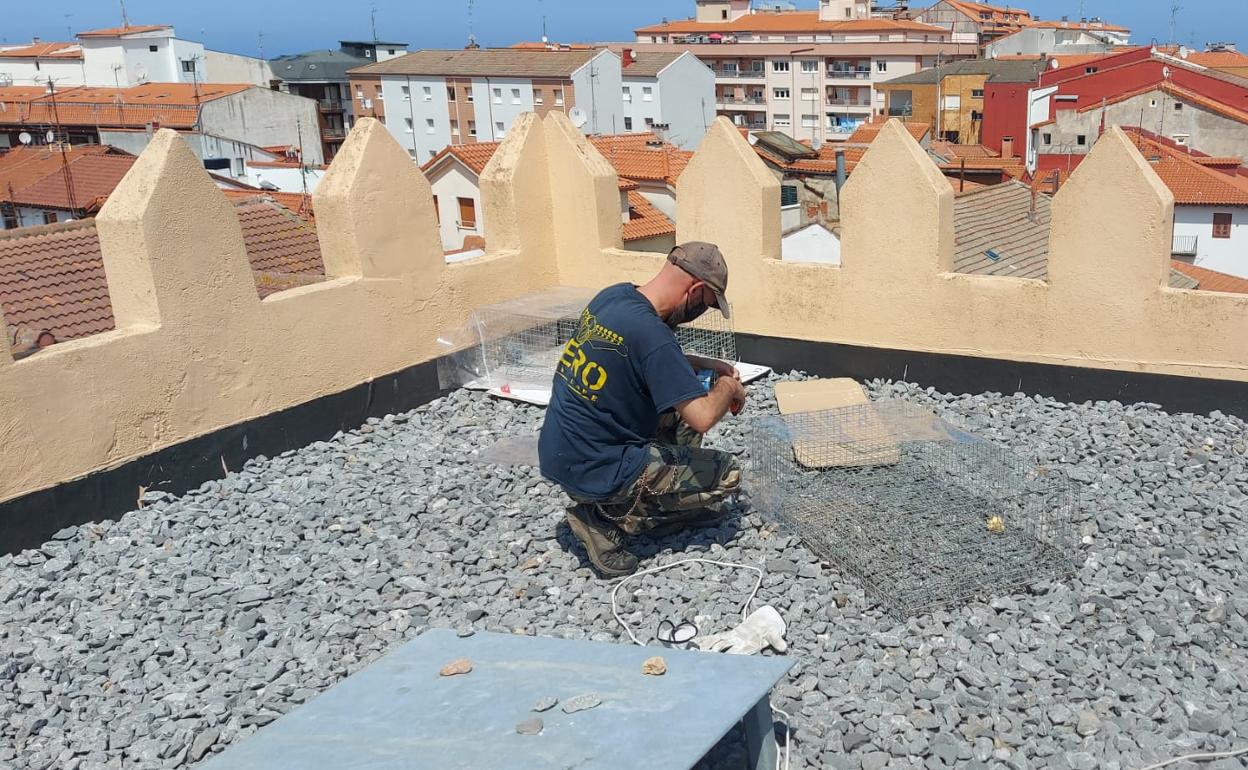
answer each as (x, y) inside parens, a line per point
(617, 375)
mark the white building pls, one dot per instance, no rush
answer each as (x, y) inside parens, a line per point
(671, 92)
(809, 74)
(438, 98)
(122, 57)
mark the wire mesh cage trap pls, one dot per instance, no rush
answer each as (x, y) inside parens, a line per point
(516, 345)
(919, 513)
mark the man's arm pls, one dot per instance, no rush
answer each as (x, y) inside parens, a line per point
(704, 413)
(715, 365)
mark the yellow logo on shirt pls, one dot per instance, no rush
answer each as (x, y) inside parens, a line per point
(582, 376)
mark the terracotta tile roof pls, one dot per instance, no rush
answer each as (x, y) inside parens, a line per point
(486, 62)
(951, 151)
(1211, 280)
(648, 64)
(42, 51)
(627, 152)
(628, 184)
(131, 29)
(52, 278)
(1090, 26)
(297, 203)
(1191, 182)
(645, 221)
(1211, 59)
(174, 105)
(537, 45)
(789, 21)
(1011, 167)
(1003, 16)
(866, 133)
(21, 167)
(91, 179)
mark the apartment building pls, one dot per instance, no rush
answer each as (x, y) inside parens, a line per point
(985, 25)
(671, 92)
(808, 74)
(438, 98)
(322, 76)
(120, 57)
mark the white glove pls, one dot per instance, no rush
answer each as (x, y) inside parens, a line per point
(763, 628)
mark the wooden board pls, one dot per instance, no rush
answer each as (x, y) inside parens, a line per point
(861, 445)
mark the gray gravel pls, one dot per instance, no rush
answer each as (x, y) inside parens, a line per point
(160, 639)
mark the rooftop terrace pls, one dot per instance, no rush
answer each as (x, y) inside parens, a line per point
(225, 588)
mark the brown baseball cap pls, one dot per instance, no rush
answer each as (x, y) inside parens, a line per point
(705, 262)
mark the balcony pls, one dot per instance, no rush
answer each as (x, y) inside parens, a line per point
(330, 105)
(745, 102)
(741, 74)
(849, 74)
(310, 496)
(900, 112)
(848, 104)
(1184, 246)
(333, 133)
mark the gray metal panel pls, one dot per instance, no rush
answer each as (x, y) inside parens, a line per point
(399, 714)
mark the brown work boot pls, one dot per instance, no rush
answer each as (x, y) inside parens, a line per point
(603, 541)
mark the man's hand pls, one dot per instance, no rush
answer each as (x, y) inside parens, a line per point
(739, 395)
(703, 413)
(721, 368)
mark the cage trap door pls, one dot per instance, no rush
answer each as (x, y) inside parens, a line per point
(865, 440)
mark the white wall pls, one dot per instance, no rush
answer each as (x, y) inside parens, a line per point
(1226, 255)
(64, 72)
(503, 109)
(180, 50)
(285, 179)
(451, 181)
(686, 97)
(262, 117)
(638, 109)
(599, 87)
(224, 67)
(419, 142)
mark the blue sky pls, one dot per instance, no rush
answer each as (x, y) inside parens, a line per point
(290, 26)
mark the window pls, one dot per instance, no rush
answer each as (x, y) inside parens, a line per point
(953, 102)
(407, 125)
(499, 129)
(469, 96)
(628, 124)
(810, 94)
(1178, 106)
(429, 126)
(472, 128)
(412, 154)
(467, 213)
(10, 221)
(810, 65)
(437, 210)
(810, 121)
(781, 120)
(432, 154)
(628, 95)
(538, 96)
(428, 93)
(153, 48)
(559, 97)
(1048, 138)
(49, 218)
(377, 88)
(647, 94)
(498, 96)
(977, 93)
(359, 92)
(1091, 70)
(881, 66)
(780, 93)
(1081, 140)
(407, 93)
(188, 65)
(1221, 225)
(390, 51)
(515, 96)
(723, 16)
(450, 93)
(788, 195)
(779, 66)
(455, 127)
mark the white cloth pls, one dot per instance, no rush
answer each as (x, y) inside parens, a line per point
(763, 628)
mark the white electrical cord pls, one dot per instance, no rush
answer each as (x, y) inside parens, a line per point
(745, 611)
(1199, 758)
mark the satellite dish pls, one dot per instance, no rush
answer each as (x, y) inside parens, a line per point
(1165, 72)
(578, 117)
(1054, 64)
(50, 136)
(24, 138)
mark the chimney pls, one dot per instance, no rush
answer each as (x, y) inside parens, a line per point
(840, 170)
(629, 57)
(1007, 147)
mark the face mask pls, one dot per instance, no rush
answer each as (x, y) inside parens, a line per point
(684, 314)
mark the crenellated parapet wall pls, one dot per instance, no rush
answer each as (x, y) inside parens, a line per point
(195, 350)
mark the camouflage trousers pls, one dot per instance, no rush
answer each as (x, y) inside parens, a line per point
(680, 477)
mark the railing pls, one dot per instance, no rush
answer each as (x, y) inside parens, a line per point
(329, 105)
(900, 112)
(747, 100)
(755, 74)
(850, 74)
(333, 133)
(834, 102)
(1184, 246)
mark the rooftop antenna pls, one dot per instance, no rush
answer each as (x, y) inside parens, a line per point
(125, 20)
(69, 28)
(472, 38)
(372, 18)
(1175, 7)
